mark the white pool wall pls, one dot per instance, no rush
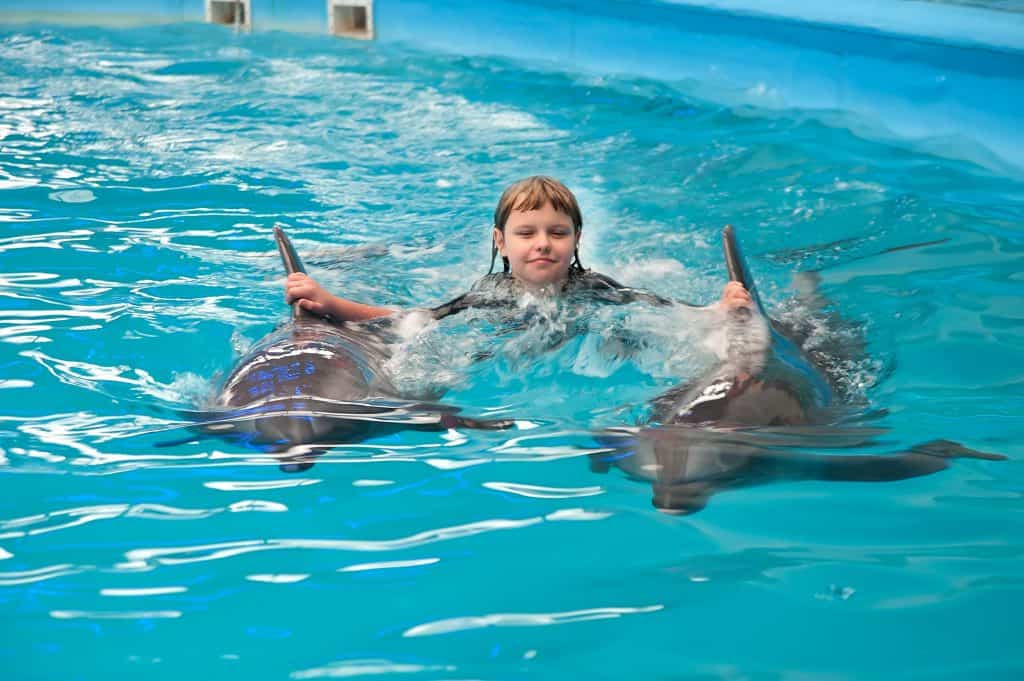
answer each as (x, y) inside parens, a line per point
(945, 76)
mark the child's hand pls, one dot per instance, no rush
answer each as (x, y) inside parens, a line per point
(309, 294)
(735, 297)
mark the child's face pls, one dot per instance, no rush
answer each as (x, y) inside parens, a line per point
(539, 245)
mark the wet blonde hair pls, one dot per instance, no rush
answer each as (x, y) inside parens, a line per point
(533, 193)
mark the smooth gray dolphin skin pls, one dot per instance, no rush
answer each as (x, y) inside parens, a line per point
(313, 382)
(746, 420)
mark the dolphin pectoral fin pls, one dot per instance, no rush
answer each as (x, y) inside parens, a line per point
(947, 449)
(599, 463)
(877, 468)
(203, 424)
(451, 420)
(923, 459)
(682, 499)
(180, 441)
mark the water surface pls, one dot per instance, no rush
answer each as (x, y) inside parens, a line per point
(141, 172)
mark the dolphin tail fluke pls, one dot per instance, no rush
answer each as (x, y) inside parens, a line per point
(292, 263)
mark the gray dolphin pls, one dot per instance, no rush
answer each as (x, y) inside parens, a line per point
(314, 382)
(747, 420)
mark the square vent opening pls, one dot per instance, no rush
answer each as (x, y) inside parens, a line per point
(351, 18)
(229, 13)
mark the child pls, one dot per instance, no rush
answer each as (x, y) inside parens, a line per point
(537, 230)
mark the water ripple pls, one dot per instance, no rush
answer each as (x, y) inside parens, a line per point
(371, 667)
(113, 615)
(95, 376)
(454, 624)
(149, 591)
(19, 578)
(540, 492)
(49, 240)
(142, 171)
(208, 552)
(64, 519)
(389, 565)
(279, 578)
(242, 486)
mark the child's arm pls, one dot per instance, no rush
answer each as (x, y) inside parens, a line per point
(316, 299)
(607, 289)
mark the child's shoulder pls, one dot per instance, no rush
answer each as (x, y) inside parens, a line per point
(491, 290)
(608, 290)
(493, 281)
(589, 280)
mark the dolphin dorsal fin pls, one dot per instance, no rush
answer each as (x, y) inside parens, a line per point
(784, 350)
(292, 263)
(737, 266)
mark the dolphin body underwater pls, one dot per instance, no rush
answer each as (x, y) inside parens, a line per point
(311, 384)
(744, 421)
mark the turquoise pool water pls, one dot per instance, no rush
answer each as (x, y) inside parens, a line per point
(141, 172)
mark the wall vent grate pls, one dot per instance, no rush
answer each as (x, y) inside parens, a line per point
(236, 13)
(350, 18)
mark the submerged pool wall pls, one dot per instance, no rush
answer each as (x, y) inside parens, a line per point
(949, 77)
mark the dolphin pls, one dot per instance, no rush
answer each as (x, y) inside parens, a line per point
(750, 419)
(315, 382)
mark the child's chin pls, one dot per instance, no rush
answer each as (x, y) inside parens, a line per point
(548, 273)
